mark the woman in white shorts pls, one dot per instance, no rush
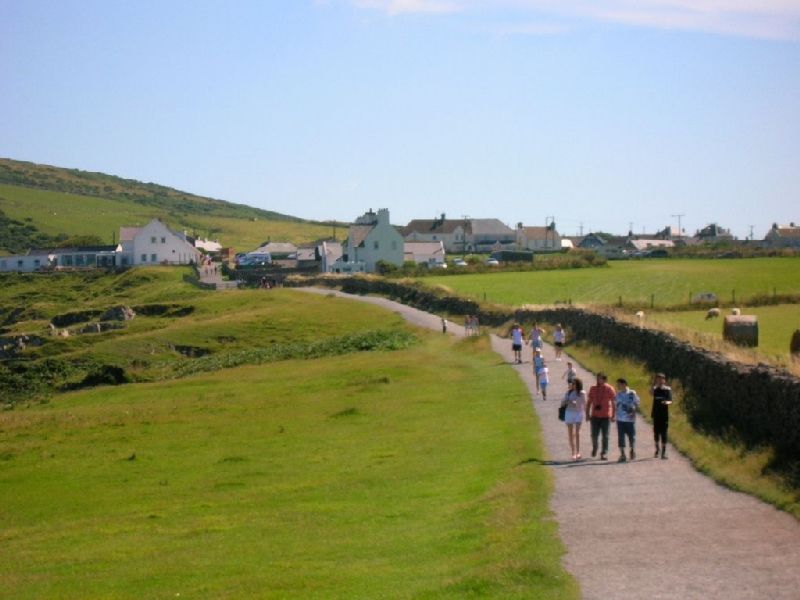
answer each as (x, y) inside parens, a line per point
(575, 403)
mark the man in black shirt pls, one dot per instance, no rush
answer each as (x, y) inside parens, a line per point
(662, 398)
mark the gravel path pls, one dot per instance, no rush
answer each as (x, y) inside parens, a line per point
(649, 528)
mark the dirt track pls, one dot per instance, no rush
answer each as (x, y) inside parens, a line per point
(650, 528)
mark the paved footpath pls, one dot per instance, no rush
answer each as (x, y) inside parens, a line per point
(650, 528)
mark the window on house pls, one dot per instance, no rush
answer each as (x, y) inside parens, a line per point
(79, 260)
(153, 258)
(375, 245)
(144, 257)
(124, 261)
(163, 240)
(153, 240)
(20, 263)
(36, 262)
(67, 260)
(3, 264)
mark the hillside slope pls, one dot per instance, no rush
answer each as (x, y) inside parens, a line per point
(41, 205)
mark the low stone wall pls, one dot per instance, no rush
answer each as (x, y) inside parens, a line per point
(761, 403)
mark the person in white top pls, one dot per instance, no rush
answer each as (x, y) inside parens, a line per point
(575, 404)
(559, 339)
(516, 343)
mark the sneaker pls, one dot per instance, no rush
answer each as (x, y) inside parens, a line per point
(622, 458)
(656, 454)
(664, 454)
(633, 454)
(594, 452)
(603, 457)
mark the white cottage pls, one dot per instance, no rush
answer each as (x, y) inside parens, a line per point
(371, 239)
(155, 244)
(425, 253)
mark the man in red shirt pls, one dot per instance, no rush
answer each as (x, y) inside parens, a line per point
(600, 412)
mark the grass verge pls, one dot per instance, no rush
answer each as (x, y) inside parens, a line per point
(389, 475)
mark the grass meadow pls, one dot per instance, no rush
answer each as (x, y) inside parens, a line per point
(670, 282)
(58, 212)
(392, 474)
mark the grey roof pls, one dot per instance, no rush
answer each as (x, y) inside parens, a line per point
(433, 226)
(359, 233)
(490, 226)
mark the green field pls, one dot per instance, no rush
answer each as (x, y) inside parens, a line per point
(669, 282)
(776, 324)
(369, 474)
(55, 213)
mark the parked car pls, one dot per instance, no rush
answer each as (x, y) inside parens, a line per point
(459, 262)
(493, 262)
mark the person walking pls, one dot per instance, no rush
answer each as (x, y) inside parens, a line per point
(662, 398)
(543, 375)
(535, 337)
(559, 339)
(627, 402)
(575, 405)
(600, 411)
(444, 325)
(538, 364)
(570, 374)
(516, 343)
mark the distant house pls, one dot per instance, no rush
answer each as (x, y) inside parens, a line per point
(607, 246)
(783, 236)
(713, 233)
(155, 244)
(424, 253)
(641, 246)
(489, 235)
(208, 246)
(452, 233)
(82, 257)
(329, 253)
(370, 240)
(538, 239)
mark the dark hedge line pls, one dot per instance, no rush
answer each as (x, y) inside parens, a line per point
(760, 403)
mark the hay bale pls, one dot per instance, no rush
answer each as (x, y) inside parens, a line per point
(794, 345)
(742, 330)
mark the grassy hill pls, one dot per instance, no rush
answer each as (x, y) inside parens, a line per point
(41, 204)
(335, 470)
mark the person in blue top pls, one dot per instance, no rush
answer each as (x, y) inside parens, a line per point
(627, 402)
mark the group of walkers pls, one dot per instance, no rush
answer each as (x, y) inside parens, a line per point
(604, 405)
(471, 326)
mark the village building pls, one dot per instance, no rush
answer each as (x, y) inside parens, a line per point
(783, 236)
(372, 239)
(431, 254)
(155, 244)
(452, 233)
(538, 239)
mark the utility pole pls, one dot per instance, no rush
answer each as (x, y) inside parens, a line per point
(581, 229)
(464, 237)
(680, 230)
(630, 227)
(751, 232)
(550, 227)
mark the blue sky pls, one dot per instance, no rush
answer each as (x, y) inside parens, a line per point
(603, 114)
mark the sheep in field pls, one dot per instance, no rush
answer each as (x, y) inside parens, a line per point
(712, 313)
(736, 311)
(639, 316)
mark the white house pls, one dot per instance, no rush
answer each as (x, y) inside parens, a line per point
(371, 239)
(329, 253)
(453, 234)
(155, 244)
(783, 236)
(538, 239)
(489, 235)
(82, 257)
(424, 253)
